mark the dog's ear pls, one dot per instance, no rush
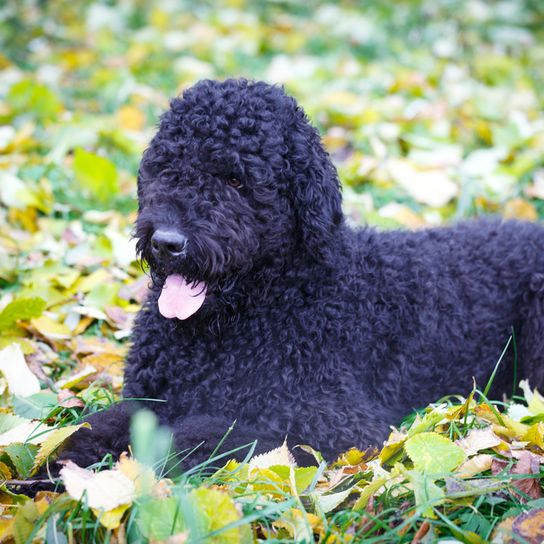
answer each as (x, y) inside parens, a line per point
(316, 190)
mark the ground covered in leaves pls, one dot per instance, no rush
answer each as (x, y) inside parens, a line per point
(432, 111)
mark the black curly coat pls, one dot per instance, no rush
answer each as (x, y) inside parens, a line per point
(309, 329)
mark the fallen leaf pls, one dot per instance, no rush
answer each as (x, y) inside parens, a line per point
(475, 465)
(50, 328)
(433, 187)
(528, 464)
(433, 454)
(517, 208)
(52, 440)
(96, 175)
(21, 381)
(477, 440)
(104, 490)
(68, 399)
(278, 456)
(530, 526)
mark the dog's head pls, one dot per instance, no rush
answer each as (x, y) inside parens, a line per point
(235, 180)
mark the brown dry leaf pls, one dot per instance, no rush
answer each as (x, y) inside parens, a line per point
(484, 412)
(530, 526)
(137, 290)
(502, 534)
(421, 532)
(528, 464)
(68, 399)
(117, 317)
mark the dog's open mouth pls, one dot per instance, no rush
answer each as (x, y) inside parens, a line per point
(179, 298)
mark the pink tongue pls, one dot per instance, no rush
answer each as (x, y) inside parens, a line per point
(180, 299)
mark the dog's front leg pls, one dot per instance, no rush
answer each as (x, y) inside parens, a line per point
(198, 438)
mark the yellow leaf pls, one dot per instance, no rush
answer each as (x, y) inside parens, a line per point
(6, 529)
(301, 526)
(367, 492)
(512, 428)
(517, 208)
(52, 441)
(393, 445)
(536, 404)
(112, 363)
(111, 519)
(74, 379)
(130, 118)
(88, 283)
(50, 328)
(535, 435)
(143, 476)
(268, 481)
(432, 187)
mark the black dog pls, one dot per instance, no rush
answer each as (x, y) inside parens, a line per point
(266, 308)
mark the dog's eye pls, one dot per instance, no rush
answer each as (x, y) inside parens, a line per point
(235, 182)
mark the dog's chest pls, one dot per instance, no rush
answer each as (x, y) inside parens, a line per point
(266, 357)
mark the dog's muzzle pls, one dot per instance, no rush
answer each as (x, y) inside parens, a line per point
(168, 244)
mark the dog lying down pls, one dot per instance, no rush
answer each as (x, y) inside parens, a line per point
(268, 309)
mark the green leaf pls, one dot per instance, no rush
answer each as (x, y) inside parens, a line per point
(35, 406)
(426, 492)
(22, 456)
(21, 308)
(10, 421)
(331, 501)
(159, 519)
(433, 454)
(29, 97)
(303, 475)
(96, 175)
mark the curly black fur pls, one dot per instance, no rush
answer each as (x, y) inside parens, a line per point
(309, 329)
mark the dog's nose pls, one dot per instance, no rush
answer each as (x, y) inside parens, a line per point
(168, 243)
